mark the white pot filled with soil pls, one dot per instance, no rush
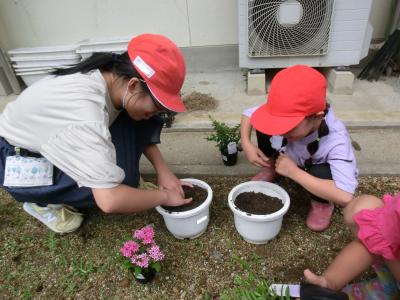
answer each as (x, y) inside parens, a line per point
(258, 208)
(189, 220)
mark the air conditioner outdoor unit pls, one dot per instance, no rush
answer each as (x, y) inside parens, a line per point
(319, 33)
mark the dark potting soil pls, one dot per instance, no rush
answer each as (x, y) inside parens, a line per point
(198, 195)
(258, 203)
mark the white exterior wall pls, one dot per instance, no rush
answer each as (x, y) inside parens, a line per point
(30, 23)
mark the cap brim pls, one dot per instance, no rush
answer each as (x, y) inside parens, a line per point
(270, 124)
(171, 102)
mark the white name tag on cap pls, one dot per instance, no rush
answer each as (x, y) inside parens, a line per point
(143, 67)
(22, 171)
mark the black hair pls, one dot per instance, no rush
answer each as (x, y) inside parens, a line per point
(119, 64)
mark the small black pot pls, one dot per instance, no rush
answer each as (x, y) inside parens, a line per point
(229, 159)
(146, 276)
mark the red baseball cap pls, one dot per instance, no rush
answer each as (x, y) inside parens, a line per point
(159, 61)
(295, 93)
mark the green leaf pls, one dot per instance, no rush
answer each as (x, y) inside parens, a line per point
(223, 134)
(207, 296)
(287, 293)
(137, 270)
(246, 295)
(126, 264)
(156, 266)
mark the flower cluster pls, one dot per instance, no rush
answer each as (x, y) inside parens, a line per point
(143, 251)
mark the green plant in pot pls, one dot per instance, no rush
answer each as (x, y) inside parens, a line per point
(227, 139)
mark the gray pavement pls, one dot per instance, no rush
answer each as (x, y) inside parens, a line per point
(375, 104)
(188, 153)
(372, 114)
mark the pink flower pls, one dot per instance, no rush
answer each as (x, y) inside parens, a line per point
(142, 251)
(145, 234)
(147, 241)
(141, 260)
(138, 234)
(148, 232)
(155, 253)
(129, 248)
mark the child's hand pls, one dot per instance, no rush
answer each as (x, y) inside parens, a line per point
(256, 156)
(174, 198)
(285, 166)
(168, 181)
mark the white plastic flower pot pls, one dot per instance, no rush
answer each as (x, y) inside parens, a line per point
(258, 229)
(191, 223)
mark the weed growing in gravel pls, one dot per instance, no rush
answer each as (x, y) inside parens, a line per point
(82, 269)
(52, 242)
(250, 287)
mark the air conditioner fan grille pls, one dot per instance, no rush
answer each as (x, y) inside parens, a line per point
(269, 37)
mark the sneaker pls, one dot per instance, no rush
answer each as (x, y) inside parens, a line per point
(266, 174)
(319, 216)
(147, 185)
(58, 218)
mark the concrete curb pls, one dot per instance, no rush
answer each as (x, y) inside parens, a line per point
(188, 153)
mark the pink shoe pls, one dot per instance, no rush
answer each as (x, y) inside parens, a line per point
(266, 174)
(319, 216)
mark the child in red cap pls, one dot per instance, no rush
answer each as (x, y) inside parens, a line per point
(85, 129)
(376, 224)
(299, 137)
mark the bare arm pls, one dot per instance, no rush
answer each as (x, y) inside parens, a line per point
(125, 199)
(350, 263)
(153, 154)
(253, 154)
(323, 188)
(245, 130)
(165, 178)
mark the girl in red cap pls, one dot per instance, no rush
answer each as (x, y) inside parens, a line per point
(376, 224)
(74, 139)
(299, 137)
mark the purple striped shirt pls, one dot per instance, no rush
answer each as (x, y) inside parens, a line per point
(335, 149)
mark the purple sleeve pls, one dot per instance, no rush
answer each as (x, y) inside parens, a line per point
(249, 111)
(343, 166)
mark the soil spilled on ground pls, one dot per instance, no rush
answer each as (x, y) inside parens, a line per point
(198, 195)
(199, 101)
(258, 203)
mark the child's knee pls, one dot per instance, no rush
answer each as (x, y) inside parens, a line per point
(367, 202)
(358, 204)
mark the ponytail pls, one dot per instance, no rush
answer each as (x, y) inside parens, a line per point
(119, 64)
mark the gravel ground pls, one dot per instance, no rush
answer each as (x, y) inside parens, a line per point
(37, 264)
